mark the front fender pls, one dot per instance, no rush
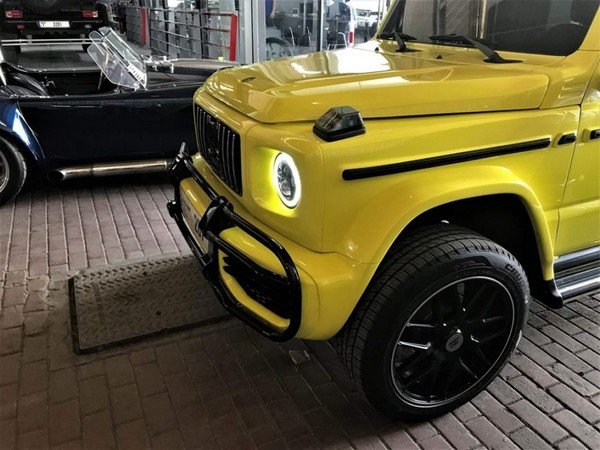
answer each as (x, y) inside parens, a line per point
(14, 126)
(434, 188)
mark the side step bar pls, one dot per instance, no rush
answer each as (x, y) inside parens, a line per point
(577, 272)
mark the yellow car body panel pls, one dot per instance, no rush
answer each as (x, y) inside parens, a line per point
(439, 102)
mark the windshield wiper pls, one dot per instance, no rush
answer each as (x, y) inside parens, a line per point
(400, 38)
(492, 55)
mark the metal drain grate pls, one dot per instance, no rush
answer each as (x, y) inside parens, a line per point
(136, 300)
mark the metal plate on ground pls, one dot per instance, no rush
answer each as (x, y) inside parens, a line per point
(140, 299)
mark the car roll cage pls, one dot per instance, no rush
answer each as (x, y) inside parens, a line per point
(218, 217)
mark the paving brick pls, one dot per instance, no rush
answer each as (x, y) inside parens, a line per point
(488, 434)
(576, 403)
(10, 341)
(525, 438)
(34, 378)
(119, 371)
(65, 424)
(591, 357)
(539, 421)
(159, 413)
(11, 317)
(8, 433)
(570, 444)
(436, 442)
(567, 358)
(98, 431)
(534, 371)
(503, 392)
(125, 402)
(37, 440)
(8, 401)
(63, 385)
(497, 413)
(149, 379)
(14, 295)
(132, 436)
(90, 370)
(581, 430)
(466, 412)
(170, 441)
(573, 380)
(169, 359)
(421, 430)
(33, 412)
(36, 322)
(536, 395)
(9, 368)
(562, 338)
(142, 356)
(399, 438)
(94, 395)
(181, 389)
(455, 432)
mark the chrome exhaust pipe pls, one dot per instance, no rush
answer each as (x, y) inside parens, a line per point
(110, 169)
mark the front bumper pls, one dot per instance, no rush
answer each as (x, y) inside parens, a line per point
(279, 293)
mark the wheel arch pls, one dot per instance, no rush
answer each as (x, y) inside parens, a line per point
(504, 219)
(15, 129)
(495, 204)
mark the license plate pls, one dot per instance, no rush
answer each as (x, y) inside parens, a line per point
(54, 24)
(192, 218)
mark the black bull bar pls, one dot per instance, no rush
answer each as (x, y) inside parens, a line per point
(280, 294)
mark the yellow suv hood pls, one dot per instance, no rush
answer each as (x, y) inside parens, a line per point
(378, 84)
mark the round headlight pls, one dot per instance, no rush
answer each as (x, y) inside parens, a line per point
(287, 180)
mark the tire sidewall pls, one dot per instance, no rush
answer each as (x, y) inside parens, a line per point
(17, 172)
(408, 297)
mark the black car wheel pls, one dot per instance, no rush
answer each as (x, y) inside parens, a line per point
(438, 322)
(13, 171)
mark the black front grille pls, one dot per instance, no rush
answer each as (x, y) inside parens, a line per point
(220, 146)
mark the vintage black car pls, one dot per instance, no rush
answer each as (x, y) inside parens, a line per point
(127, 115)
(26, 22)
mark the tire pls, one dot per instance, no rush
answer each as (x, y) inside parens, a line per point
(13, 171)
(437, 323)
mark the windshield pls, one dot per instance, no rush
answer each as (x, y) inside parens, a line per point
(551, 27)
(117, 60)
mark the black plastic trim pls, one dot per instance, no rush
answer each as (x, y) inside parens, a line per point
(220, 216)
(426, 163)
(595, 134)
(567, 139)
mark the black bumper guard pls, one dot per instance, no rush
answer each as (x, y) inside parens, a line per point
(218, 217)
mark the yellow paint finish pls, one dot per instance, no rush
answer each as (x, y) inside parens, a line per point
(580, 210)
(328, 280)
(415, 107)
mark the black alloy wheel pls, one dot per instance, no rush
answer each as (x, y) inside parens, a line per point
(452, 341)
(437, 323)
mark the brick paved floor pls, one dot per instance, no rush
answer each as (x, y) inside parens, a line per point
(225, 387)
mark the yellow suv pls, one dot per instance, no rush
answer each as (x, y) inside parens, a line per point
(406, 195)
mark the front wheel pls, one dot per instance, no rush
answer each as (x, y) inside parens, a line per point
(438, 322)
(13, 171)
